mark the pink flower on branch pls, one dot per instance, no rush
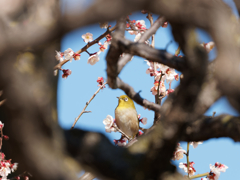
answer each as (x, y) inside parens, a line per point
(68, 54)
(109, 124)
(208, 46)
(191, 170)
(100, 81)
(195, 144)
(165, 24)
(93, 59)
(142, 120)
(178, 154)
(59, 56)
(66, 73)
(120, 142)
(1, 125)
(88, 37)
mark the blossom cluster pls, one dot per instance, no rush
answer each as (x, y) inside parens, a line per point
(69, 54)
(161, 73)
(215, 171)
(6, 166)
(190, 170)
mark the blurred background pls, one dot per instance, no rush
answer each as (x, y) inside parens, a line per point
(78, 88)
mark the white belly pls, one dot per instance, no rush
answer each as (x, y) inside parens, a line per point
(127, 121)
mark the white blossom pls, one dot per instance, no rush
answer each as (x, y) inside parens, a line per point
(68, 54)
(93, 59)
(195, 144)
(87, 37)
(108, 122)
(59, 56)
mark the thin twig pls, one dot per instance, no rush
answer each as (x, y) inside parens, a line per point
(87, 103)
(59, 65)
(214, 112)
(119, 130)
(199, 175)
(188, 158)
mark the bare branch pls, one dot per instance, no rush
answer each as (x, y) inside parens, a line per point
(87, 103)
(207, 127)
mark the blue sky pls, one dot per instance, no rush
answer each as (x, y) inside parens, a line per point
(78, 88)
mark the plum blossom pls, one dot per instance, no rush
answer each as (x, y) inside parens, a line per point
(215, 171)
(59, 56)
(88, 37)
(178, 154)
(195, 144)
(68, 54)
(191, 169)
(121, 142)
(140, 24)
(104, 25)
(14, 167)
(163, 68)
(66, 73)
(171, 75)
(1, 125)
(208, 46)
(137, 37)
(169, 91)
(103, 46)
(165, 24)
(93, 59)
(142, 120)
(221, 167)
(76, 56)
(5, 169)
(100, 81)
(109, 122)
(162, 88)
(140, 133)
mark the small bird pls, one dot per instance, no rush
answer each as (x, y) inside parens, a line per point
(126, 116)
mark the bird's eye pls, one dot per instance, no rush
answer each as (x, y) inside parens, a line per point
(126, 99)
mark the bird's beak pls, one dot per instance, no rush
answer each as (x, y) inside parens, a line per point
(118, 97)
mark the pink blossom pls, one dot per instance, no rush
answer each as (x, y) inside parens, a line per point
(191, 169)
(66, 73)
(1, 125)
(87, 37)
(140, 133)
(208, 46)
(221, 167)
(162, 88)
(76, 56)
(169, 91)
(165, 24)
(120, 142)
(100, 81)
(143, 121)
(140, 24)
